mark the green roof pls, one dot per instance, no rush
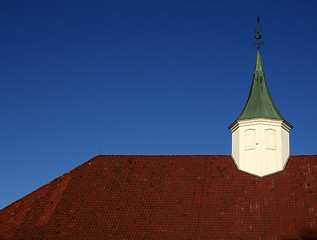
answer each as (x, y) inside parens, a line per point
(259, 103)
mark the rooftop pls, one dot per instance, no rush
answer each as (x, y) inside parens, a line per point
(168, 197)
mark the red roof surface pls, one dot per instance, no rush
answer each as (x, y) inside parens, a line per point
(168, 197)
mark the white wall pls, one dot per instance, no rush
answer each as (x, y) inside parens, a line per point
(260, 146)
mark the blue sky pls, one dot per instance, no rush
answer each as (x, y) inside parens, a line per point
(80, 78)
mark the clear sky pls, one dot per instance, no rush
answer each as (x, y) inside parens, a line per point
(80, 78)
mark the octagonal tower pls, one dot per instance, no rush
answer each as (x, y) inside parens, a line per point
(260, 135)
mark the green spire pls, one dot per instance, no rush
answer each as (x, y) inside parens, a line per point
(259, 103)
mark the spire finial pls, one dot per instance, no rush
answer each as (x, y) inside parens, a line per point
(258, 29)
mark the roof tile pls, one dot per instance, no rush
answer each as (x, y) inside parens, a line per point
(173, 197)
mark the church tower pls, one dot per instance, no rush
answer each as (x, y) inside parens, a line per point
(260, 135)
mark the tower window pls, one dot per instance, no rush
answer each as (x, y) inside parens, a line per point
(270, 138)
(250, 139)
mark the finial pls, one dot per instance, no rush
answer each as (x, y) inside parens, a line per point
(258, 29)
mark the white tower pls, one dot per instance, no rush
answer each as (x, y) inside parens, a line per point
(260, 135)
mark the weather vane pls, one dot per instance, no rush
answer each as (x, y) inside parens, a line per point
(258, 29)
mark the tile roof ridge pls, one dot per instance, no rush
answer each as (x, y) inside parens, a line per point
(158, 155)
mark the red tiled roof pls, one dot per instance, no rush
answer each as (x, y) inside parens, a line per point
(168, 197)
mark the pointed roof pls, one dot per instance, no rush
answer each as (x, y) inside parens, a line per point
(168, 197)
(259, 103)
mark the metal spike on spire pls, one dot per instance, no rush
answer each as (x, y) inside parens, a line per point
(258, 29)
